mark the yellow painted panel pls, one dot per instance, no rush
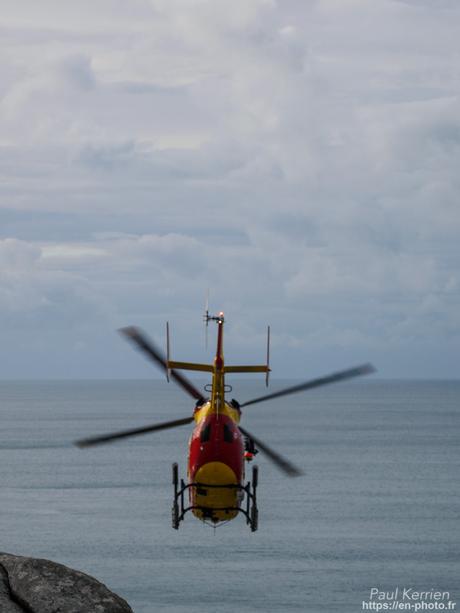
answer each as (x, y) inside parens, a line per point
(216, 473)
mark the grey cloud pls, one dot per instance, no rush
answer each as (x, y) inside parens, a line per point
(77, 71)
(300, 158)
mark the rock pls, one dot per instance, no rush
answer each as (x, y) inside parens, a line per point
(7, 605)
(31, 585)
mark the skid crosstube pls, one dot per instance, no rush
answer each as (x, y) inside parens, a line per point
(249, 510)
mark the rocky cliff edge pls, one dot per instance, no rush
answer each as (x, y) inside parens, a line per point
(32, 585)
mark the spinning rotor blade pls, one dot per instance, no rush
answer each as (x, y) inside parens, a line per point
(108, 438)
(147, 346)
(275, 457)
(364, 369)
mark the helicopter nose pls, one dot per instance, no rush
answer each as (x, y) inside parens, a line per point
(215, 473)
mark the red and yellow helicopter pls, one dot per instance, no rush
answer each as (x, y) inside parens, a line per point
(219, 446)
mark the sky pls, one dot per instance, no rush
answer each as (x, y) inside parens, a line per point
(299, 159)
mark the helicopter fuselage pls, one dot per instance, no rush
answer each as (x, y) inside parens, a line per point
(216, 462)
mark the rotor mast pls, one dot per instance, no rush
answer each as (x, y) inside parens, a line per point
(218, 376)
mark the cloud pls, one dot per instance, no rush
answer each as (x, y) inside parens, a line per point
(76, 70)
(300, 158)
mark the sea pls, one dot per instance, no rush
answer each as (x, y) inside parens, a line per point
(377, 508)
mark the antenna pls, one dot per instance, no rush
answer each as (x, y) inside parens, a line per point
(168, 370)
(267, 374)
(206, 319)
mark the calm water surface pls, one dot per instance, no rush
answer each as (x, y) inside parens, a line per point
(379, 504)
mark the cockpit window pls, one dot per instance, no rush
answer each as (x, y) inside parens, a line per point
(228, 434)
(205, 434)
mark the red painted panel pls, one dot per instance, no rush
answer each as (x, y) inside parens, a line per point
(217, 449)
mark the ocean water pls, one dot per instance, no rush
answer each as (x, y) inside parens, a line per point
(378, 506)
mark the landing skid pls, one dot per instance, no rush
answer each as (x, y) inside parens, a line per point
(179, 508)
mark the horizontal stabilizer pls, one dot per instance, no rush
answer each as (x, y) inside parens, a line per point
(190, 366)
(262, 368)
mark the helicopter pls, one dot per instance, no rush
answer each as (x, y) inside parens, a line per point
(219, 447)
